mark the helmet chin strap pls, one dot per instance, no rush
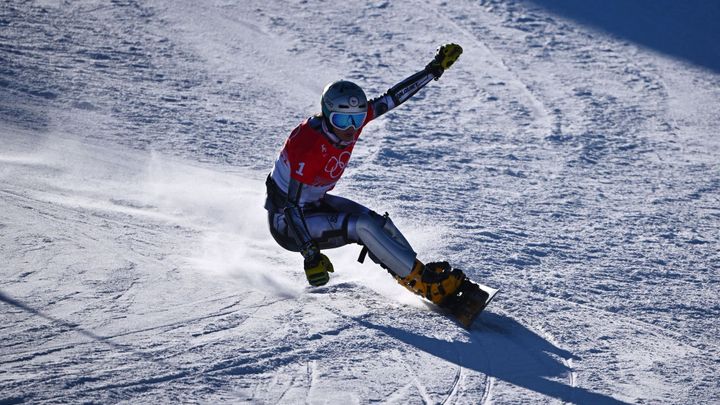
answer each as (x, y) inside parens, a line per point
(334, 139)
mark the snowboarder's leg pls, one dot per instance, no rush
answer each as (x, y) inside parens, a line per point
(385, 243)
(342, 221)
(388, 247)
(326, 222)
(328, 230)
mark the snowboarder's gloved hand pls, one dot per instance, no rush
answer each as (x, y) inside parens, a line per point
(317, 265)
(445, 56)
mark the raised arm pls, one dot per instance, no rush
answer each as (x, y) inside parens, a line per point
(445, 56)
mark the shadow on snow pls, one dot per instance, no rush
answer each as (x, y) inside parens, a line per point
(506, 350)
(682, 29)
(71, 326)
(503, 349)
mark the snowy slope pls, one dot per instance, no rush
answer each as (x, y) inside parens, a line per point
(567, 159)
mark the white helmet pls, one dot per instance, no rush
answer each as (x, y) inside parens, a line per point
(343, 97)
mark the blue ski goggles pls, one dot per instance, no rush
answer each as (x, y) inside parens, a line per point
(344, 121)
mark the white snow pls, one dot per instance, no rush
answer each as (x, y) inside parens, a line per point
(566, 159)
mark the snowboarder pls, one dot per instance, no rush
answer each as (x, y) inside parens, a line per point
(304, 218)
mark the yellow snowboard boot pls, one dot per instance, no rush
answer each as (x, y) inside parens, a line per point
(434, 281)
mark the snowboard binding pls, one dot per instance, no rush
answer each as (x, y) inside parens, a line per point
(450, 289)
(468, 301)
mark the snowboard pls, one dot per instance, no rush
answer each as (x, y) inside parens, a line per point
(470, 299)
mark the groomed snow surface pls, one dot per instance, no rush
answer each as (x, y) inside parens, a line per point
(569, 158)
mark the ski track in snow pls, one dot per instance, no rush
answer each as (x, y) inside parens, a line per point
(570, 167)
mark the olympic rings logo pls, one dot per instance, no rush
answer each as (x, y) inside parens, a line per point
(336, 165)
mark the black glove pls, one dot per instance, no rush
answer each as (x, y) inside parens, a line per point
(445, 56)
(317, 265)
